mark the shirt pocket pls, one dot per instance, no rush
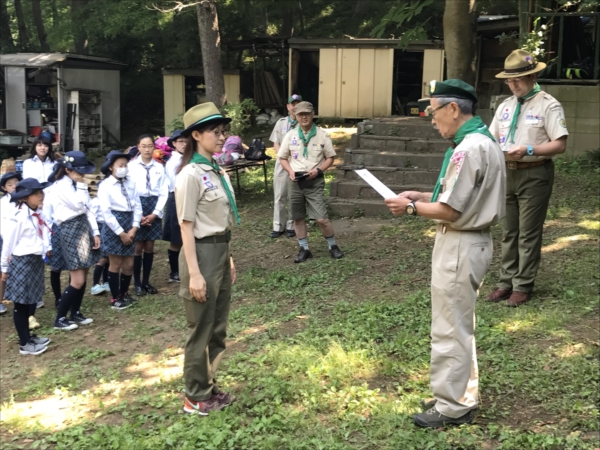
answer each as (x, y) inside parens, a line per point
(212, 195)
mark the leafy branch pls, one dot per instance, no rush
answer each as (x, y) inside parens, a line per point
(401, 16)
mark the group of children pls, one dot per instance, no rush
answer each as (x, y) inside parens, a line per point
(48, 217)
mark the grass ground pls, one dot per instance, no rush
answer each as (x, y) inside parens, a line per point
(327, 354)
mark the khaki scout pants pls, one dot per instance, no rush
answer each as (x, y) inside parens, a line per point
(281, 218)
(460, 260)
(527, 197)
(208, 321)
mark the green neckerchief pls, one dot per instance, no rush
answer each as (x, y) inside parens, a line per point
(473, 125)
(306, 139)
(199, 159)
(515, 119)
(291, 123)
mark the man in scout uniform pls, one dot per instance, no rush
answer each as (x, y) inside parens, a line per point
(305, 153)
(280, 184)
(467, 200)
(530, 128)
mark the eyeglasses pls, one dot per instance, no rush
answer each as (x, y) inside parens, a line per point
(224, 132)
(433, 111)
(514, 80)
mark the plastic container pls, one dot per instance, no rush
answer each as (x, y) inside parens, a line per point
(11, 140)
(412, 109)
(423, 104)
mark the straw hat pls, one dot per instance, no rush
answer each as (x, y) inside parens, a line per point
(520, 63)
(200, 115)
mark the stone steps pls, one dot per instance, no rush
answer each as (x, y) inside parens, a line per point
(402, 144)
(398, 176)
(361, 190)
(423, 161)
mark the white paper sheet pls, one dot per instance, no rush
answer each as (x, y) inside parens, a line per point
(372, 180)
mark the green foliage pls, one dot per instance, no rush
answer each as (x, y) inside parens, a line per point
(401, 17)
(176, 124)
(534, 40)
(241, 115)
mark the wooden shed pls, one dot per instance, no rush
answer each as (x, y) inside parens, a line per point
(358, 78)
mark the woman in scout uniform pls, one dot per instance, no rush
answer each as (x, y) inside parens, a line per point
(122, 212)
(466, 201)
(8, 184)
(25, 245)
(305, 153)
(207, 211)
(41, 162)
(282, 222)
(171, 229)
(151, 185)
(530, 128)
(79, 234)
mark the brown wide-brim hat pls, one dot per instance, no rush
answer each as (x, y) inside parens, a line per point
(200, 115)
(303, 107)
(520, 63)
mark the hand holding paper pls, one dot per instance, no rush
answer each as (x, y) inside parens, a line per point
(372, 180)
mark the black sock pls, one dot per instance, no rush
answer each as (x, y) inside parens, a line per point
(125, 282)
(137, 269)
(113, 282)
(97, 273)
(174, 261)
(147, 263)
(105, 274)
(69, 297)
(21, 318)
(55, 283)
(76, 305)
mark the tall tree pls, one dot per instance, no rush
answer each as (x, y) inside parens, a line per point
(460, 31)
(36, 11)
(6, 42)
(79, 34)
(210, 44)
(21, 26)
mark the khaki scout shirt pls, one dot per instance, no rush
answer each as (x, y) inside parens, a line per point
(475, 183)
(541, 120)
(282, 126)
(320, 147)
(201, 199)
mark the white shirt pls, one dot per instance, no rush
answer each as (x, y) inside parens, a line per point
(171, 168)
(112, 199)
(24, 238)
(7, 212)
(70, 200)
(35, 168)
(157, 184)
(96, 210)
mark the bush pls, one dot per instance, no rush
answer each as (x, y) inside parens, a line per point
(241, 115)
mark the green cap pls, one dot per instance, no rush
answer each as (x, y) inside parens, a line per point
(452, 88)
(294, 98)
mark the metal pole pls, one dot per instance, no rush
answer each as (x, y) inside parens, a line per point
(561, 30)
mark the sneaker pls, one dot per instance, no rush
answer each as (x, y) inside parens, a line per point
(129, 298)
(44, 341)
(98, 289)
(335, 252)
(201, 408)
(174, 278)
(140, 291)
(2, 309)
(33, 323)
(224, 398)
(150, 289)
(39, 305)
(105, 287)
(428, 403)
(80, 319)
(302, 255)
(64, 324)
(32, 348)
(433, 419)
(120, 303)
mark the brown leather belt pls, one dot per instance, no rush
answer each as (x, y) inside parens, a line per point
(516, 165)
(445, 227)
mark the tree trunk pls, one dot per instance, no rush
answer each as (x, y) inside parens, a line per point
(36, 11)
(210, 44)
(287, 25)
(55, 18)
(79, 34)
(23, 36)
(6, 43)
(460, 32)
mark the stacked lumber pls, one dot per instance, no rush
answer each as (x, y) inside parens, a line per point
(92, 181)
(266, 90)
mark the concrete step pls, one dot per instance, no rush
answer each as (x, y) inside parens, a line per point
(394, 159)
(358, 208)
(410, 127)
(361, 190)
(399, 176)
(402, 144)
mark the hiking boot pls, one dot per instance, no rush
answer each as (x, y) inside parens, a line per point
(64, 324)
(39, 305)
(428, 403)
(150, 289)
(517, 299)
(43, 341)
(276, 234)
(302, 255)
(433, 419)
(140, 291)
(201, 408)
(174, 278)
(33, 323)
(98, 289)
(2, 309)
(290, 233)
(120, 303)
(80, 319)
(498, 294)
(224, 398)
(32, 349)
(335, 252)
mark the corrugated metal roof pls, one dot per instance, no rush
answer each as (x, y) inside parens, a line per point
(49, 59)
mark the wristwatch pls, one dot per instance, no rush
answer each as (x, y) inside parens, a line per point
(411, 209)
(319, 171)
(530, 150)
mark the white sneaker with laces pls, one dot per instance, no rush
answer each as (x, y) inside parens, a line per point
(97, 289)
(32, 349)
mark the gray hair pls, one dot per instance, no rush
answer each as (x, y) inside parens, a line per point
(465, 106)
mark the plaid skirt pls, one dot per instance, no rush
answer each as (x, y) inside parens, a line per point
(76, 242)
(171, 230)
(111, 243)
(154, 231)
(25, 283)
(56, 261)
